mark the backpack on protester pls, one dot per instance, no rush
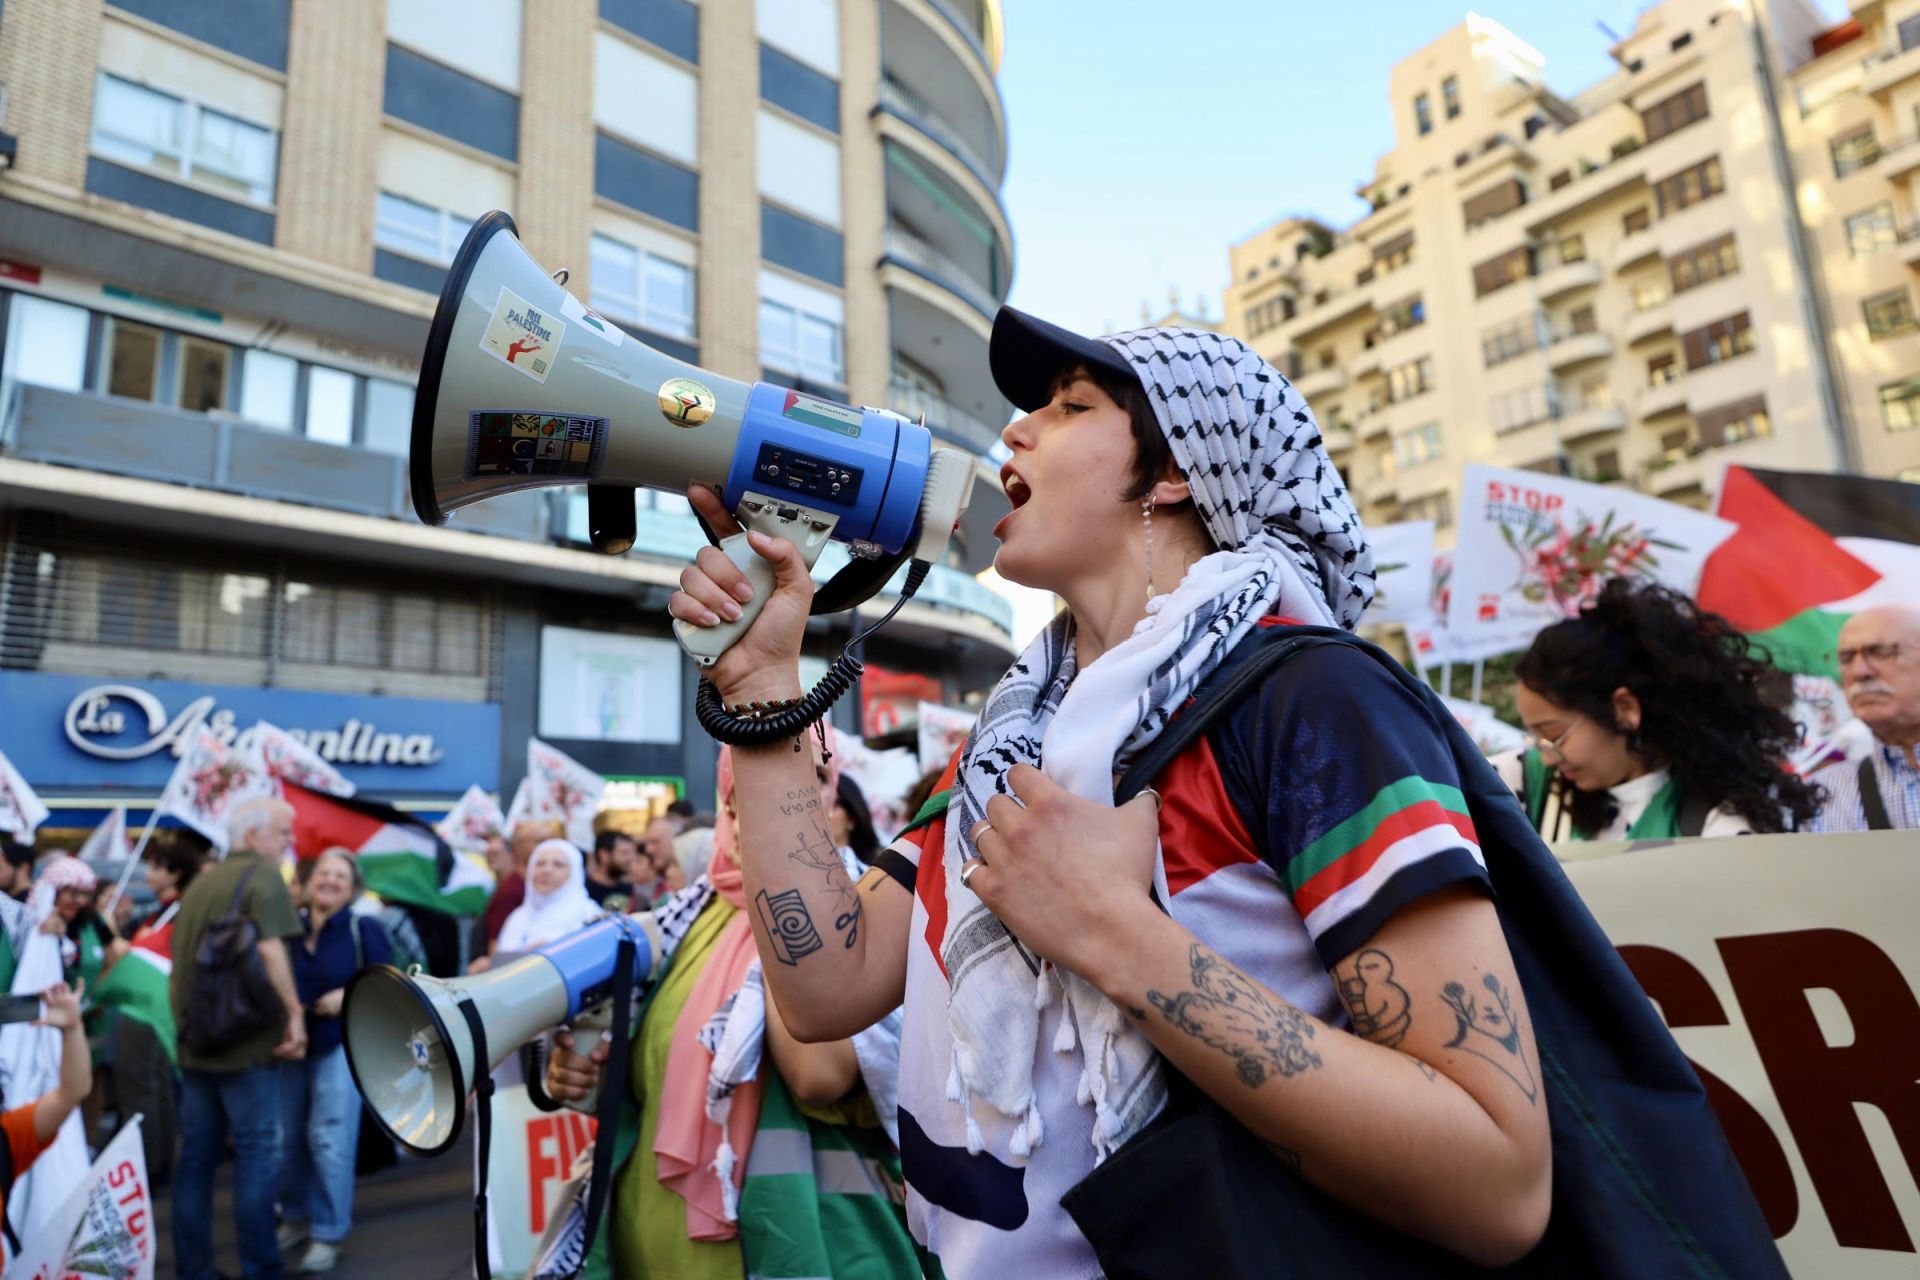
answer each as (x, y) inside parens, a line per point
(1644, 1182)
(229, 996)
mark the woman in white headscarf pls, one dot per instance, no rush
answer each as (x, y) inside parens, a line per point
(557, 901)
(1300, 927)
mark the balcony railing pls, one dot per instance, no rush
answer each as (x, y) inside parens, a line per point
(910, 249)
(944, 418)
(928, 119)
(972, 27)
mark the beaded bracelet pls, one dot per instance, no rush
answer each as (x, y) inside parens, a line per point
(763, 710)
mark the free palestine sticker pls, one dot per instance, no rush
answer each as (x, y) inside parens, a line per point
(686, 403)
(522, 336)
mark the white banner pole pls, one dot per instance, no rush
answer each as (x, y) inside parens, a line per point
(133, 860)
(1479, 666)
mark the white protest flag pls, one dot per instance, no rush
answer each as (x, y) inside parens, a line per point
(206, 785)
(525, 805)
(564, 790)
(473, 819)
(1534, 548)
(1403, 563)
(272, 752)
(1433, 645)
(108, 843)
(105, 1228)
(20, 809)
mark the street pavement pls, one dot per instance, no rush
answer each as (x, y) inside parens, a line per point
(411, 1222)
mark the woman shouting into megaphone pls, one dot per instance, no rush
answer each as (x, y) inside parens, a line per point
(1294, 924)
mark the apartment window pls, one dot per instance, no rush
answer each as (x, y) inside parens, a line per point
(1636, 220)
(203, 374)
(1689, 106)
(1573, 249)
(330, 395)
(1522, 408)
(139, 126)
(1437, 507)
(1871, 230)
(133, 361)
(1494, 202)
(1450, 95)
(642, 288)
(1854, 151)
(1422, 444)
(1908, 30)
(1325, 358)
(1719, 341)
(795, 342)
(389, 417)
(1562, 178)
(1662, 369)
(1363, 276)
(1704, 262)
(1423, 114)
(1900, 404)
(1513, 339)
(1405, 381)
(1730, 424)
(1606, 466)
(1498, 273)
(1391, 255)
(1675, 445)
(1410, 314)
(268, 385)
(1889, 314)
(1689, 186)
(1649, 293)
(1596, 393)
(417, 230)
(1582, 320)
(1680, 42)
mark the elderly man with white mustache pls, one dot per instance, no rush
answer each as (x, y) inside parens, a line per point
(1879, 653)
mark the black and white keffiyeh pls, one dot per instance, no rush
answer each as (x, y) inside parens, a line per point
(1290, 543)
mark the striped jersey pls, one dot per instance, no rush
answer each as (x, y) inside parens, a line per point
(1289, 833)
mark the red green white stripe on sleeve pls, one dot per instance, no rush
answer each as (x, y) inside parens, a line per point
(1406, 822)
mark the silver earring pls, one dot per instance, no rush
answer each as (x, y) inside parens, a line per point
(1146, 519)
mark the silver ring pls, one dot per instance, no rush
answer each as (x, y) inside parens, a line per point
(981, 829)
(967, 869)
(1158, 803)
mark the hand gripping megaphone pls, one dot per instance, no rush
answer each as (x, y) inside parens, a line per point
(521, 387)
(411, 1039)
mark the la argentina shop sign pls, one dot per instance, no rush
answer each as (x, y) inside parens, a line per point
(79, 732)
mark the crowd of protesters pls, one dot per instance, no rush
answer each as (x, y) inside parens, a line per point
(1645, 718)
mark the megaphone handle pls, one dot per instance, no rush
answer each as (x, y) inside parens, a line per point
(589, 1029)
(705, 644)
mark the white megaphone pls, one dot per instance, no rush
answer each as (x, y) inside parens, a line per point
(410, 1042)
(521, 386)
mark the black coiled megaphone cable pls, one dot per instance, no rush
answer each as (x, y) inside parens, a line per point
(789, 722)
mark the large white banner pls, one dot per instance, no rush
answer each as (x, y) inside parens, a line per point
(1534, 548)
(105, 1229)
(1788, 968)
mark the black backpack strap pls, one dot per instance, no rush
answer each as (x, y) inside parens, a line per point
(238, 903)
(1221, 693)
(483, 1117)
(1872, 803)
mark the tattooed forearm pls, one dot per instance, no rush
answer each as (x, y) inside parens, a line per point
(816, 852)
(1487, 1030)
(805, 800)
(1377, 1004)
(1228, 1011)
(789, 925)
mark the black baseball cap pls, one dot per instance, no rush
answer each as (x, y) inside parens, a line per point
(1026, 354)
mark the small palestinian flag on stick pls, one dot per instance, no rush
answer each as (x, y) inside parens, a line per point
(400, 857)
(1810, 551)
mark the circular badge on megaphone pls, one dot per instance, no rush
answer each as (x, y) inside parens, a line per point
(685, 403)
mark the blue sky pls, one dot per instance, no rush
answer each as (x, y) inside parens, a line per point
(1144, 136)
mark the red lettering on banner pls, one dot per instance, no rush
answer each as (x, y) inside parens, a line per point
(543, 1165)
(1686, 999)
(1819, 1083)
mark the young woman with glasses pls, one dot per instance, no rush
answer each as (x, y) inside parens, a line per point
(1648, 719)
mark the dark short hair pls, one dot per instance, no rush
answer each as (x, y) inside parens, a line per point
(183, 859)
(1152, 455)
(604, 842)
(16, 854)
(681, 808)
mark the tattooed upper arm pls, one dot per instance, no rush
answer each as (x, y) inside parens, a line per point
(1437, 984)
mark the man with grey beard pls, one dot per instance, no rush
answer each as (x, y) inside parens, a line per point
(1879, 654)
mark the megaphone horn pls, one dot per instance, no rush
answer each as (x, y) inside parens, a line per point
(413, 1056)
(522, 386)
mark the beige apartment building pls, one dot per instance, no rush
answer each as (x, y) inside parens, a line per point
(224, 225)
(1708, 258)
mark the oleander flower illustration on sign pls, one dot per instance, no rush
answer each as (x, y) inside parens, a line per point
(1565, 567)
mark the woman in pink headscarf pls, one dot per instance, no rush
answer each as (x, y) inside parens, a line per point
(699, 1086)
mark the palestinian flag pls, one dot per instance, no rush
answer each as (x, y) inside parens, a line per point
(137, 986)
(1810, 551)
(401, 858)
